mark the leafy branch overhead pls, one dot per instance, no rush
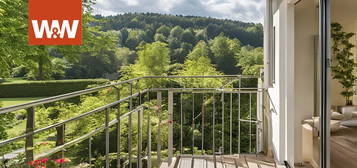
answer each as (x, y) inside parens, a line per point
(343, 65)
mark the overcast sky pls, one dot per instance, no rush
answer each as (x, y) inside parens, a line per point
(243, 10)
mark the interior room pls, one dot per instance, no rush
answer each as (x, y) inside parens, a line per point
(343, 139)
(343, 98)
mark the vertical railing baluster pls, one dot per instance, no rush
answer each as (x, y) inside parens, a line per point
(158, 138)
(30, 127)
(203, 124)
(222, 121)
(193, 124)
(181, 123)
(170, 127)
(60, 136)
(230, 124)
(257, 126)
(256, 138)
(140, 127)
(118, 129)
(130, 125)
(239, 137)
(213, 130)
(149, 141)
(260, 116)
(140, 98)
(63, 128)
(250, 122)
(107, 138)
(90, 152)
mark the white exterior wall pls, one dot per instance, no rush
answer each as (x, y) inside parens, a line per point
(282, 91)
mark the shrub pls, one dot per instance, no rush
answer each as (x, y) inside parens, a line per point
(46, 88)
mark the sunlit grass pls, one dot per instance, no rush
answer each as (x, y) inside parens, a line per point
(14, 101)
(15, 80)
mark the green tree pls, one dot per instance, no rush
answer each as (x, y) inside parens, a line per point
(176, 32)
(178, 55)
(164, 30)
(15, 51)
(135, 38)
(125, 56)
(188, 36)
(201, 35)
(98, 60)
(198, 63)
(153, 59)
(13, 35)
(5, 121)
(250, 60)
(224, 51)
(122, 37)
(159, 37)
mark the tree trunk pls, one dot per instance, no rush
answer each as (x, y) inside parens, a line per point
(40, 69)
(60, 140)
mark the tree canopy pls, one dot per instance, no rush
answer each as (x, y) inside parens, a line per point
(198, 63)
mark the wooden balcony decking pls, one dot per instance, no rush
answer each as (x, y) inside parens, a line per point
(225, 161)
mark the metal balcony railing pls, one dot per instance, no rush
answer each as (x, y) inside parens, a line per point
(201, 130)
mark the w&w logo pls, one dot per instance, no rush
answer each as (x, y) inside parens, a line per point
(55, 22)
(55, 31)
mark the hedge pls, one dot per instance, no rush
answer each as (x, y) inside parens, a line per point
(46, 88)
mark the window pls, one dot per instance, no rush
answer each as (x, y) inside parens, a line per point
(272, 58)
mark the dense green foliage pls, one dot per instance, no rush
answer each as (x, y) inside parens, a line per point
(114, 41)
(50, 62)
(5, 120)
(13, 33)
(198, 63)
(248, 33)
(46, 88)
(344, 65)
(250, 60)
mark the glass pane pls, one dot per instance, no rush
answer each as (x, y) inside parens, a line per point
(343, 139)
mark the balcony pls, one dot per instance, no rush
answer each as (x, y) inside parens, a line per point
(204, 127)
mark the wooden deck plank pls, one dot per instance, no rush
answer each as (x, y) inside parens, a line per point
(229, 161)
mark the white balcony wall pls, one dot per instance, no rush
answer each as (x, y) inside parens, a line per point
(282, 92)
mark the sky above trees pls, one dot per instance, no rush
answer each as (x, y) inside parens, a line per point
(242, 10)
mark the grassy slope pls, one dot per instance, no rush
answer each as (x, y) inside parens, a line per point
(15, 80)
(13, 101)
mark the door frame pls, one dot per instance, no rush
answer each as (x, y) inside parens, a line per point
(325, 35)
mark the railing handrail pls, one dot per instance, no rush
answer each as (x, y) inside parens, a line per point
(99, 109)
(272, 103)
(95, 89)
(116, 104)
(87, 135)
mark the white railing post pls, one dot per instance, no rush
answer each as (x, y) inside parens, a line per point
(30, 127)
(158, 138)
(170, 128)
(260, 115)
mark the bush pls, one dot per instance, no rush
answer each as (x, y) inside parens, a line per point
(46, 88)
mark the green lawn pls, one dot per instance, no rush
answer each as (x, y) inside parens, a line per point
(13, 101)
(15, 80)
